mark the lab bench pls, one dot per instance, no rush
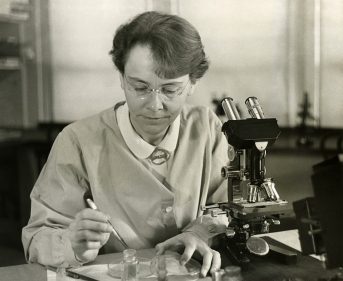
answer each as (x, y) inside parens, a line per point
(260, 269)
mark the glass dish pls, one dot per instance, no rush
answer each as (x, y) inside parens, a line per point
(148, 268)
(176, 271)
(144, 268)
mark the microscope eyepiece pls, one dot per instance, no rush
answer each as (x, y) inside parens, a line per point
(230, 109)
(254, 108)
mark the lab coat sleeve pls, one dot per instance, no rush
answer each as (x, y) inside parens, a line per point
(205, 226)
(55, 200)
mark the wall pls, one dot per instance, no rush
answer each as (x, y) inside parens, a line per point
(262, 48)
(84, 79)
(250, 60)
(247, 43)
(331, 87)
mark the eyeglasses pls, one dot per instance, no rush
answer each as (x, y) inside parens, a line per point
(142, 90)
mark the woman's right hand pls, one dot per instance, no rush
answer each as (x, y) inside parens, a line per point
(88, 232)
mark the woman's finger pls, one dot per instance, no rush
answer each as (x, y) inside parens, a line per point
(206, 262)
(187, 253)
(97, 226)
(90, 214)
(90, 235)
(92, 245)
(216, 261)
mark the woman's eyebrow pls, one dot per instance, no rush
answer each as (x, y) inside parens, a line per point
(171, 83)
(137, 79)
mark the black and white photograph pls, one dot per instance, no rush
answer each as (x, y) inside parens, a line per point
(171, 140)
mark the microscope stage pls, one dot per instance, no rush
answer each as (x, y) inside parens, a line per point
(246, 210)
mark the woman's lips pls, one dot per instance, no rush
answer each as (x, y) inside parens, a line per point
(155, 118)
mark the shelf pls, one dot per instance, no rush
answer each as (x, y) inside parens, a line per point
(9, 63)
(14, 18)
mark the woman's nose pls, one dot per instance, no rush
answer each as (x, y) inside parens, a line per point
(155, 102)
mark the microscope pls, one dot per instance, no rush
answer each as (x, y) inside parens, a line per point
(253, 201)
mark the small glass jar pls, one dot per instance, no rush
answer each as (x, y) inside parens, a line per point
(130, 265)
(232, 273)
(61, 274)
(217, 274)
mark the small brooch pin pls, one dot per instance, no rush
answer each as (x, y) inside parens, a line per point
(159, 156)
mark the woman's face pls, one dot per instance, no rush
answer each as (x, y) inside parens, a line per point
(151, 113)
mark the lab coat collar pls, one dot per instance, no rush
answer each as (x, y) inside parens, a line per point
(138, 146)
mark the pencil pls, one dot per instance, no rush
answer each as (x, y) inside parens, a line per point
(92, 205)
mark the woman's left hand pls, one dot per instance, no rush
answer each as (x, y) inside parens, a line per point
(192, 243)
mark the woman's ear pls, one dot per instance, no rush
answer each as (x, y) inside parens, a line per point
(121, 77)
(191, 90)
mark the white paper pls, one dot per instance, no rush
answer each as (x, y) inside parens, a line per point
(51, 276)
(289, 238)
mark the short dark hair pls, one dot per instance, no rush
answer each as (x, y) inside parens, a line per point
(175, 44)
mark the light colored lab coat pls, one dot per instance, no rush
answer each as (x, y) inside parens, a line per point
(91, 154)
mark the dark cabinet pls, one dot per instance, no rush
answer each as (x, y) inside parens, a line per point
(25, 67)
(11, 74)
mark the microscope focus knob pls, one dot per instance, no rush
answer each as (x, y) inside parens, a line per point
(230, 232)
(227, 172)
(273, 221)
(217, 212)
(231, 153)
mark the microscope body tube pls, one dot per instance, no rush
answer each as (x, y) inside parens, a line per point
(230, 109)
(256, 166)
(256, 156)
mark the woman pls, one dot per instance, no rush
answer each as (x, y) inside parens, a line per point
(150, 162)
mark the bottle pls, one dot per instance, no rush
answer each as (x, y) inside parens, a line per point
(217, 275)
(130, 265)
(161, 268)
(232, 273)
(61, 274)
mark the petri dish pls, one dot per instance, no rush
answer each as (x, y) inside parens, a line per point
(148, 268)
(176, 271)
(257, 246)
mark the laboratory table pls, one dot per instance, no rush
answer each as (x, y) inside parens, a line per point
(261, 268)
